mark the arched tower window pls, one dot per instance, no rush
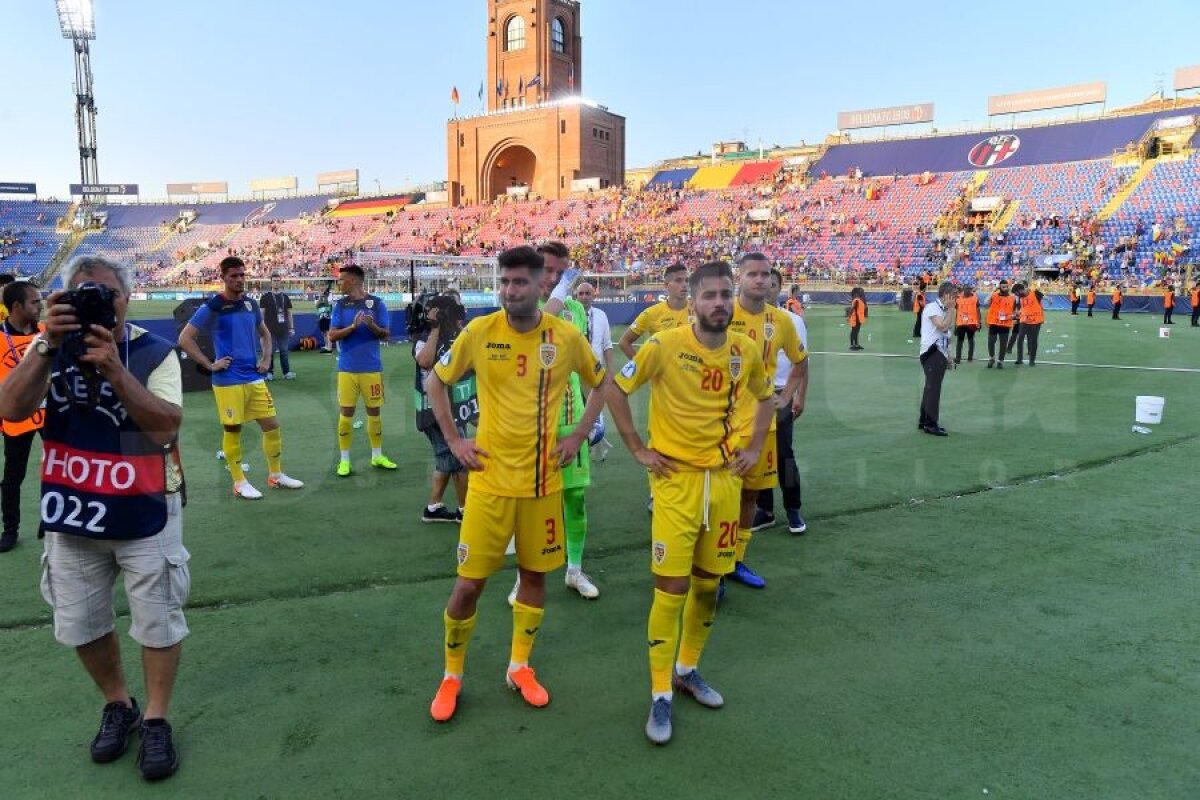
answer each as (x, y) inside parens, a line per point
(514, 34)
(558, 36)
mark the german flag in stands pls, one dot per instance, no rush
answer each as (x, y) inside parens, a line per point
(370, 207)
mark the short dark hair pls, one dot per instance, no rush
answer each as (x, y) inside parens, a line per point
(777, 275)
(678, 266)
(713, 269)
(231, 262)
(554, 248)
(7, 278)
(523, 256)
(753, 256)
(15, 292)
(355, 270)
(946, 288)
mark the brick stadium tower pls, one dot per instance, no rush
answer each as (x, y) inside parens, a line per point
(538, 133)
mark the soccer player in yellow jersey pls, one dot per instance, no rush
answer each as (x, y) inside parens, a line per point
(522, 360)
(663, 315)
(698, 375)
(772, 331)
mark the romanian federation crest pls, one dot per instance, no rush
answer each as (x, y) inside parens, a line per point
(547, 353)
(735, 367)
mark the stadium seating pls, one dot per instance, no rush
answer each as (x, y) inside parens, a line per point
(28, 239)
(877, 211)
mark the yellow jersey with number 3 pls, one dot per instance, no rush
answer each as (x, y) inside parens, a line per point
(660, 317)
(772, 331)
(694, 392)
(521, 380)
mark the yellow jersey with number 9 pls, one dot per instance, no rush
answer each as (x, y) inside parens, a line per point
(771, 330)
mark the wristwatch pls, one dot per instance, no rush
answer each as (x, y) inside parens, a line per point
(43, 348)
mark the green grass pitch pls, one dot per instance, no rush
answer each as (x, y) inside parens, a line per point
(1011, 609)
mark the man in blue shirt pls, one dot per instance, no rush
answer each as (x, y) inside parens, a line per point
(243, 347)
(358, 323)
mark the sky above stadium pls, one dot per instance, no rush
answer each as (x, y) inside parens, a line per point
(229, 90)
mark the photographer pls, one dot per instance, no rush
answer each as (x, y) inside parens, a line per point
(111, 497)
(443, 319)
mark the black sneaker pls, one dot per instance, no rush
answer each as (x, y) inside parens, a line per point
(762, 520)
(116, 723)
(8, 540)
(157, 758)
(458, 516)
(439, 514)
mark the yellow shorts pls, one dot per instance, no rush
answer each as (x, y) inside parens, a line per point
(244, 402)
(765, 473)
(367, 384)
(679, 537)
(489, 521)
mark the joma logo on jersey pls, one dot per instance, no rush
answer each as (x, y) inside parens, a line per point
(691, 357)
(498, 346)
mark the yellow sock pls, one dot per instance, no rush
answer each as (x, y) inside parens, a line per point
(698, 614)
(744, 537)
(458, 635)
(662, 630)
(526, 621)
(345, 431)
(375, 432)
(231, 443)
(273, 449)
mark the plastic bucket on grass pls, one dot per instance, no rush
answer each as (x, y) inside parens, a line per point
(1149, 409)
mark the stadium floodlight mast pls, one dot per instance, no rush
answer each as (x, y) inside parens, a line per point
(77, 18)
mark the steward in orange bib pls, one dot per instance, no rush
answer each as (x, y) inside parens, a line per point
(24, 304)
(968, 323)
(1091, 298)
(1001, 306)
(1032, 317)
(1169, 305)
(1073, 296)
(858, 315)
(918, 307)
(1195, 298)
(1116, 301)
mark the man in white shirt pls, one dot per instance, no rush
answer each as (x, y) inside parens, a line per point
(599, 332)
(789, 474)
(937, 324)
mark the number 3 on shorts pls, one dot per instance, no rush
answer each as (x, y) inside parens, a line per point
(551, 531)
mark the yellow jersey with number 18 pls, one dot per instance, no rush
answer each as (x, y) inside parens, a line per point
(772, 331)
(521, 379)
(694, 392)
